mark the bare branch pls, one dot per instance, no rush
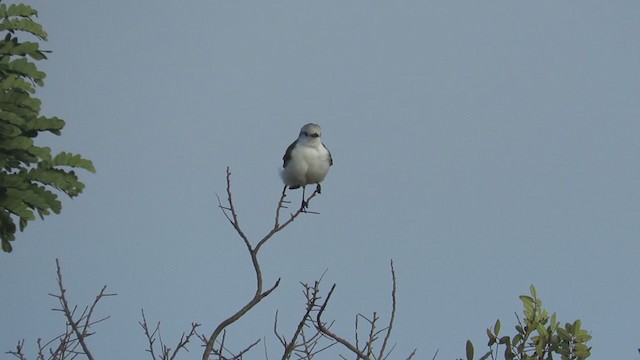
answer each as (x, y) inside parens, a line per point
(151, 335)
(291, 346)
(72, 342)
(366, 352)
(282, 339)
(239, 356)
(413, 353)
(323, 329)
(18, 352)
(277, 226)
(381, 355)
(311, 295)
(166, 353)
(301, 344)
(80, 327)
(266, 353)
(231, 214)
(184, 340)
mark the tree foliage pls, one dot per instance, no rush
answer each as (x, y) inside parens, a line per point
(538, 336)
(29, 173)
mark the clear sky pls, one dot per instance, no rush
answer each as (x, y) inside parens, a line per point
(482, 145)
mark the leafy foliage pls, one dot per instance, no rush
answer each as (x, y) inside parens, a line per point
(29, 172)
(538, 336)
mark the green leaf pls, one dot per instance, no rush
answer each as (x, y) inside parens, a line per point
(15, 180)
(13, 47)
(47, 124)
(23, 24)
(528, 303)
(9, 130)
(582, 335)
(564, 334)
(492, 338)
(72, 160)
(12, 118)
(7, 230)
(505, 340)
(582, 351)
(469, 350)
(22, 10)
(14, 204)
(517, 339)
(6, 246)
(508, 354)
(23, 223)
(541, 330)
(496, 327)
(18, 142)
(576, 326)
(43, 153)
(21, 103)
(24, 67)
(59, 179)
(16, 83)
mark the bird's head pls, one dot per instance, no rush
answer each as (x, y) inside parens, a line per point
(310, 134)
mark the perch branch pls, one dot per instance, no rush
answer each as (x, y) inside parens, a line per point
(231, 214)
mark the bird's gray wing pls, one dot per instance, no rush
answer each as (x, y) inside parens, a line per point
(330, 157)
(287, 154)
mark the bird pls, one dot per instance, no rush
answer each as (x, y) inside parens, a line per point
(306, 161)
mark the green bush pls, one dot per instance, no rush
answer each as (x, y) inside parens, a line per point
(29, 172)
(538, 336)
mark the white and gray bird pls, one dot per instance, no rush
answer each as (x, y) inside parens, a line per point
(306, 161)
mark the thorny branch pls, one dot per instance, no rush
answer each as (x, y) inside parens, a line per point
(323, 329)
(82, 325)
(231, 214)
(307, 347)
(220, 352)
(77, 328)
(302, 344)
(367, 351)
(166, 353)
(19, 353)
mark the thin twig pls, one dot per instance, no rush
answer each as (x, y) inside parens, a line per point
(323, 329)
(150, 335)
(282, 339)
(184, 340)
(81, 332)
(393, 313)
(18, 352)
(311, 303)
(239, 356)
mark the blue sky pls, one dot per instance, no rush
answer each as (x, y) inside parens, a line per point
(483, 146)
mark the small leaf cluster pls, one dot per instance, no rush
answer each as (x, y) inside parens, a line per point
(538, 336)
(28, 172)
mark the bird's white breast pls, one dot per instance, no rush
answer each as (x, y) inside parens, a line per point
(308, 165)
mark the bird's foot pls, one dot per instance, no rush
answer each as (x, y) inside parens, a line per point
(304, 206)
